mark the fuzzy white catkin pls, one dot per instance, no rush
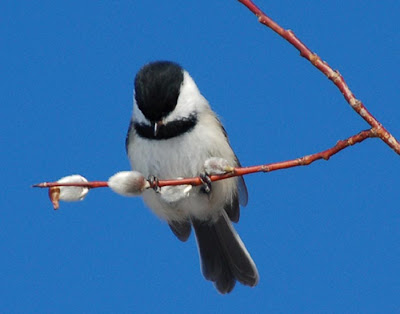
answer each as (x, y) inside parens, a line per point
(128, 183)
(72, 193)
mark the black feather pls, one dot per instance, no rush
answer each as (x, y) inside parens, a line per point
(157, 87)
(166, 131)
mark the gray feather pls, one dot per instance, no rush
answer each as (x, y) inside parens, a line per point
(224, 258)
(181, 229)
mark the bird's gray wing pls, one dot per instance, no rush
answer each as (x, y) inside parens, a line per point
(233, 209)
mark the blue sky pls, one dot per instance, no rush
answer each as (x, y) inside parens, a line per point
(325, 237)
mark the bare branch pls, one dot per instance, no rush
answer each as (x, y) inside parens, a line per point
(90, 185)
(377, 130)
(302, 161)
(239, 171)
(331, 74)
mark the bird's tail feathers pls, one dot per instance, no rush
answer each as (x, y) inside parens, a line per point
(224, 258)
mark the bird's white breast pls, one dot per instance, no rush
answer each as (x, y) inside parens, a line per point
(184, 156)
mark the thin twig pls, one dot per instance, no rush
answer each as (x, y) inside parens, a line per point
(331, 74)
(240, 171)
(302, 161)
(377, 129)
(90, 185)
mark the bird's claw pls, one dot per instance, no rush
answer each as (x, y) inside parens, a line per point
(153, 180)
(205, 179)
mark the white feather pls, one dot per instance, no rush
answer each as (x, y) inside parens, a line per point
(184, 156)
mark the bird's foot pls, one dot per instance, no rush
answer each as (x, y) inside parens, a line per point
(153, 180)
(205, 179)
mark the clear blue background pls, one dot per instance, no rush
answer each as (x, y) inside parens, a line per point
(326, 238)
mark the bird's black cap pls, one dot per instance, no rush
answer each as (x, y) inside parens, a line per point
(157, 87)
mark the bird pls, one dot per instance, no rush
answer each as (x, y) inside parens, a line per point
(174, 133)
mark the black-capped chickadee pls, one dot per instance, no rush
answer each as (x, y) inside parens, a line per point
(174, 133)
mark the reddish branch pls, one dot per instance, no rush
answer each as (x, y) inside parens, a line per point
(302, 161)
(90, 185)
(377, 130)
(333, 75)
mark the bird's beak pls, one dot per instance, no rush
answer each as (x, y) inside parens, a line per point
(156, 127)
